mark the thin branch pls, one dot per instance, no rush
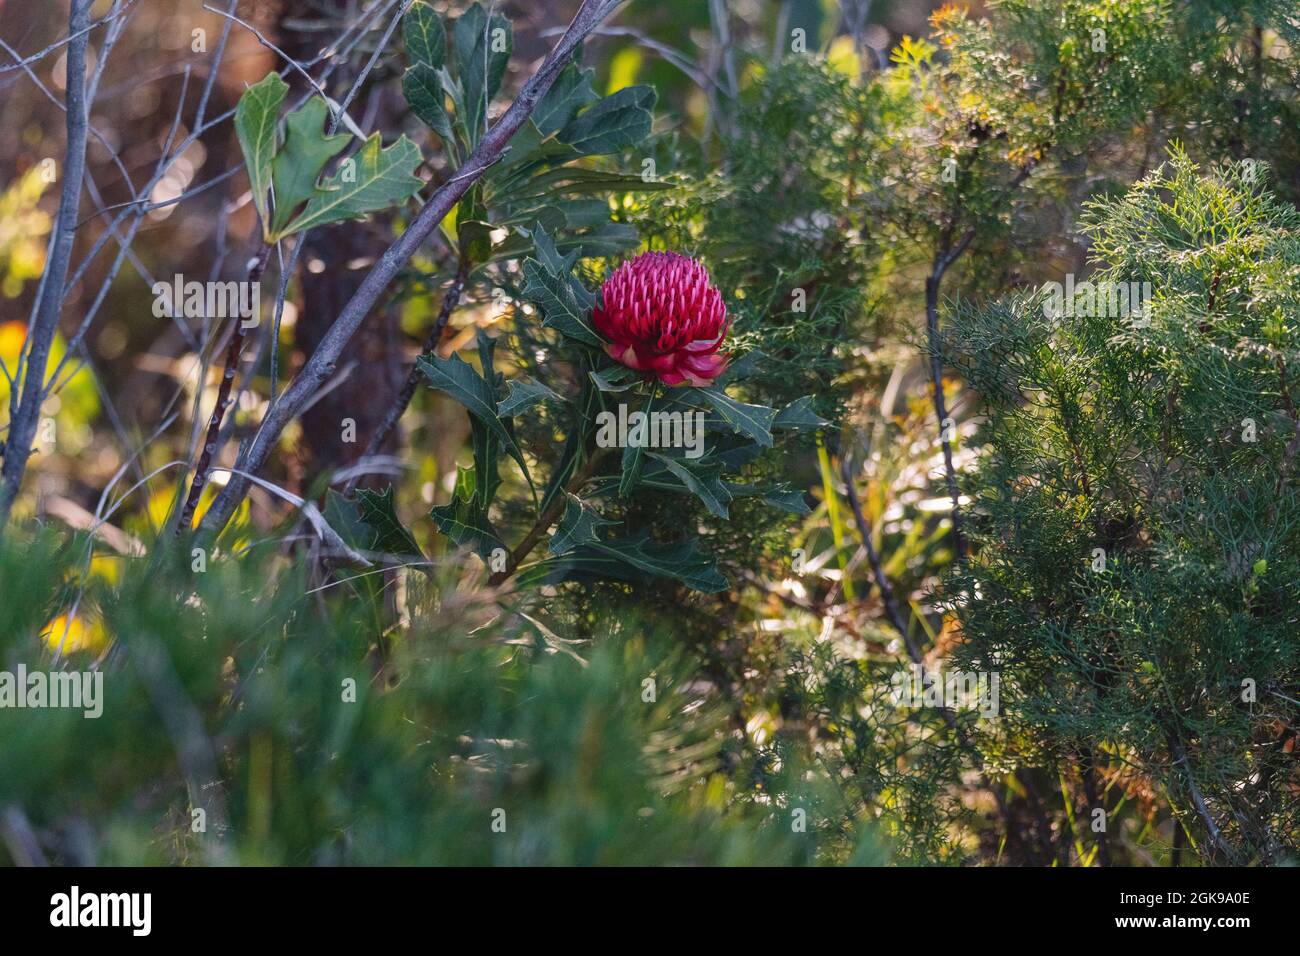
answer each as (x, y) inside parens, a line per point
(223, 401)
(49, 294)
(1179, 753)
(877, 569)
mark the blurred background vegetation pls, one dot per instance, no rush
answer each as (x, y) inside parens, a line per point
(879, 161)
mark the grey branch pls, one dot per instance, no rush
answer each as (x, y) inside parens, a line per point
(49, 295)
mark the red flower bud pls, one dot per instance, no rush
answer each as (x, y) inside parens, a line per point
(663, 317)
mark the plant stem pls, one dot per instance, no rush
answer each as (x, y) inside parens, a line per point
(548, 518)
(204, 466)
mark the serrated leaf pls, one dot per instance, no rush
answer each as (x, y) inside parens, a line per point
(302, 158)
(256, 116)
(457, 378)
(799, 416)
(524, 393)
(782, 498)
(549, 256)
(752, 421)
(565, 304)
(424, 93)
(426, 40)
(373, 179)
(376, 509)
(467, 525)
(570, 92)
(617, 378)
(702, 481)
(579, 525)
(620, 120)
(635, 559)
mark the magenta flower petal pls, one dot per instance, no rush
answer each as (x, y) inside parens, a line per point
(663, 317)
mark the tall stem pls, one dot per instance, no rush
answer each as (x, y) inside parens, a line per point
(233, 353)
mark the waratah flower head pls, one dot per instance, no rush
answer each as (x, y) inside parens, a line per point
(663, 317)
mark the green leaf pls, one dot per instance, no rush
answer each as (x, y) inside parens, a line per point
(373, 179)
(752, 421)
(570, 92)
(524, 393)
(616, 378)
(795, 502)
(369, 523)
(579, 525)
(390, 536)
(575, 180)
(457, 378)
(487, 474)
(783, 498)
(635, 559)
(465, 522)
(483, 48)
(301, 160)
(474, 239)
(566, 305)
(616, 122)
(799, 416)
(255, 118)
(549, 256)
(423, 91)
(633, 459)
(426, 40)
(704, 481)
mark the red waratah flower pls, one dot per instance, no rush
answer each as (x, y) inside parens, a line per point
(663, 317)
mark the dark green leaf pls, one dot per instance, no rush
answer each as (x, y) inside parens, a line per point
(704, 481)
(524, 393)
(465, 522)
(752, 421)
(390, 537)
(423, 91)
(570, 93)
(565, 304)
(579, 526)
(799, 416)
(426, 40)
(483, 48)
(457, 378)
(616, 122)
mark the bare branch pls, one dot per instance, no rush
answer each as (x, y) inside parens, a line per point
(49, 294)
